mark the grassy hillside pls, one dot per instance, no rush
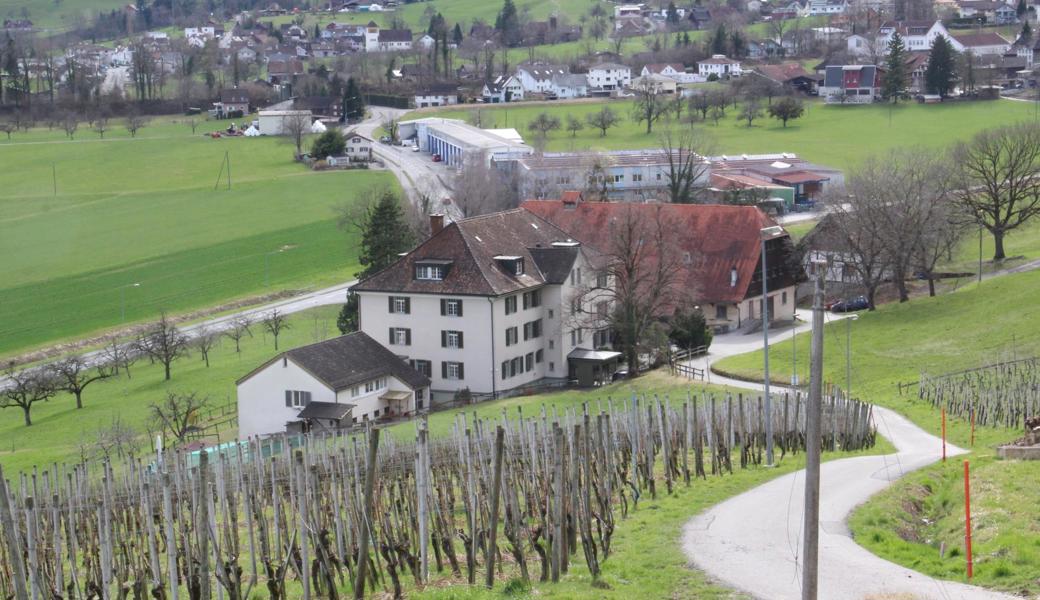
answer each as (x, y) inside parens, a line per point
(978, 324)
(145, 211)
(838, 136)
(55, 14)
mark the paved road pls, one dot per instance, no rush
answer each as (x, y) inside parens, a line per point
(417, 173)
(752, 542)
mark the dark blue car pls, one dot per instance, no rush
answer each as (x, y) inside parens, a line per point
(851, 305)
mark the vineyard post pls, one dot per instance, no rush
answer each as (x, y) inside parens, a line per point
(366, 527)
(14, 553)
(171, 541)
(967, 517)
(301, 522)
(495, 490)
(422, 481)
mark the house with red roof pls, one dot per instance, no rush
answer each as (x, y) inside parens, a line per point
(721, 248)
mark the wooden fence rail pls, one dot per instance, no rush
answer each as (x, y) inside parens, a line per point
(364, 512)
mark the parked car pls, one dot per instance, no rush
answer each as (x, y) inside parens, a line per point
(851, 305)
(436, 158)
(385, 139)
(415, 147)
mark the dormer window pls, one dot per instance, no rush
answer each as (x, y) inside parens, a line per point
(431, 270)
(733, 277)
(514, 265)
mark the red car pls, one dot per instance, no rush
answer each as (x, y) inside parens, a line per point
(436, 158)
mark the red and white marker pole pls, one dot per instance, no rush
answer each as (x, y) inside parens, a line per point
(967, 517)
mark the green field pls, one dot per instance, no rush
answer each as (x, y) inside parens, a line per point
(56, 14)
(837, 136)
(145, 211)
(978, 324)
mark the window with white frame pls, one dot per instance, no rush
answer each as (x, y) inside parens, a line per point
(510, 305)
(400, 305)
(512, 336)
(400, 336)
(452, 370)
(375, 385)
(429, 272)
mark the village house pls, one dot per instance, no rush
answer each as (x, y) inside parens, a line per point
(851, 84)
(438, 94)
(980, 44)
(328, 386)
(721, 249)
(233, 103)
(720, 66)
(672, 71)
(359, 147)
(917, 35)
(484, 305)
(791, 75)
(827, 7)
(536, 78)
(394, 40)
(659, 83)
(569, 86)
(505, 88)
(609, 76)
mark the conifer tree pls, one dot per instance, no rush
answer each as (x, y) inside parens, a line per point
(385, 234)
(940, 75)
(895, 69)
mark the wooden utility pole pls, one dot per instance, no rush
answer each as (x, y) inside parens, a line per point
(811, 534)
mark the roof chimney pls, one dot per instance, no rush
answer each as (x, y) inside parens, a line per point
(436, 224)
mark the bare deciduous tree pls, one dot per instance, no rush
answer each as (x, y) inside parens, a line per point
(687, 166)
(164, 343)
(649, 105)
(205, 341)
(641, 278)
(24, 388)
(240, 327)
(73, 375)
(114, 441)
(7, 127)
(69, 124)
(135, 122)
(602, 119)
(275, 323)
(118, 356)
(101, 124)
(752, 110)
(178, 413)
(480, 188)
(995, 181)
(296, 126)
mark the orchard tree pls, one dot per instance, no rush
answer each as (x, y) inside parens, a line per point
(602, 119)
(786, 108)
(24, 388)
(163, 343)
(649, 105)
(275, 323)
(73, 375)
(574, 125)
(543, 124)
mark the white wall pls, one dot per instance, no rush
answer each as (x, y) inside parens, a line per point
(261, 398)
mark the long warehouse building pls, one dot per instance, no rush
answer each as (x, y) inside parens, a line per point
(455, 140)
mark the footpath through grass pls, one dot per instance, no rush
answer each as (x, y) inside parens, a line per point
(144, 211)
(836, 136)
(909, 524)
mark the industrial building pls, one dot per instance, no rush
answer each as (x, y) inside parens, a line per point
(455, 140)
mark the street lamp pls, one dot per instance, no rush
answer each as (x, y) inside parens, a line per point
(766, 234)
(849, 320)
(122, 300)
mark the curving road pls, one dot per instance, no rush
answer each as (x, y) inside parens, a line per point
(752, 542)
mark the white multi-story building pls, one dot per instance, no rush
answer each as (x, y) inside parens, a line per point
(538, 77)
(485, 304)
(917, 35)
(330, 385)
(609, 76)
(719, 65)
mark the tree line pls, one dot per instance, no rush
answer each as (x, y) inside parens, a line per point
(162, 343)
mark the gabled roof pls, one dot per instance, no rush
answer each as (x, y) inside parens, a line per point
(234, 96)
(986, 38)
(720, 237)
(348, 360)
(784, 72)
(658, 67)
(468, 248)
(395, 35)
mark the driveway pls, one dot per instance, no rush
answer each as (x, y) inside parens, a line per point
(752, 542)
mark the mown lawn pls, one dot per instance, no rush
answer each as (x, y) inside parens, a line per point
(836, 136)
(60, 14)
(145, 211)
(975, 325)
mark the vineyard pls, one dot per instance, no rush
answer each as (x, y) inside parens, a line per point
(997, 395)
(331, 516)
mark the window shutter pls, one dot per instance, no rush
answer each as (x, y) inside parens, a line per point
(408, 337)
(460, 340)
(444, 370)
(391, 335)
(288, 398)
(444, 339)
(444, 307)
(390, 304)
(458, 304)
(462, 375)
(407, 306)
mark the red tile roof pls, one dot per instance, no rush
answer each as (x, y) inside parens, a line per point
(719, 238)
